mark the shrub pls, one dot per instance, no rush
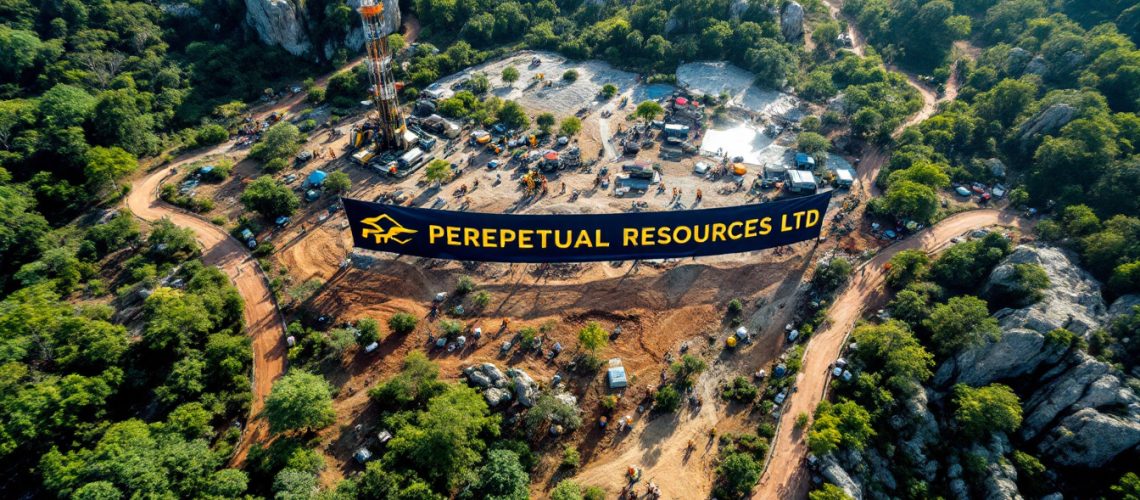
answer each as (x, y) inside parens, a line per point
(465, 285)
(738, 474)
(668, 399)
(735, 306)
(368, 331)
(571, 459)
(740, 390)
(450, 327)
(275, 165)
(801, 420)
(402, 323)
(570, 75)
(481, 299)
(210, 135)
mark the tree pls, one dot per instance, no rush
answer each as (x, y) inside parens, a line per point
(985, 410)
(831, 275)
(891, 350)
(513, 115)
(544, 121)
(667, 399)
(593, 336)
(910, 200)
(417, 382)
(648, 111)
(210, 134)
(281, 142)
(570, 125)
(549, 409)
(1128, 487)
(961, 323)
(270, 198)
(739, 473)
(442, 442)
(907, 267)
(338, 182)
(437, 171)
(368, 331)
(65, 106)
(107, 165)
(502, 477)
(510, 75)
(299, 401)
(813, 143)
(1023, 287)
(841, 424)
(402, 323)
(293, 484)
(566, 490)
(825, 35)
(828, 491)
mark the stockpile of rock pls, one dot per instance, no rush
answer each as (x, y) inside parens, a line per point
(499, 388)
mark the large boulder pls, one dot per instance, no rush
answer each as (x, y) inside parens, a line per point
(831, 471)
(1018, 352)
(285, 23)
(280, 23)
(1000, 481)
(1073, 300)
(1046, 122)
(1089, 438)
(792, 21)
(526, 389)
(496, 396)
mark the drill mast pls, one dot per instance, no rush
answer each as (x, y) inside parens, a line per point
(389, 123)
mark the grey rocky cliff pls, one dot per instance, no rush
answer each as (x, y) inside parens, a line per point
(285, 23)
(280, 23)
(792, 21)
(1046, 122)
(1077, 410)
(1073, 300)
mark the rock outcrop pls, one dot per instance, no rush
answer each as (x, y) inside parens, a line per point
(1075, 408)
(286, 23)
(280, 23)
(526, 389)
(831, 471)
(1073, 300)
(792, 21)
(491, 381)
(1046, 121)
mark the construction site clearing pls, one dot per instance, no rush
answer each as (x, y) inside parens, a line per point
(654, 310)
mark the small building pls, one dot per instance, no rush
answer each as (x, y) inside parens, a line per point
(317, 178)
(802, 181)
(615, 377)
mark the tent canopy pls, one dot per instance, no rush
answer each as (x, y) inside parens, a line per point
(317, 177)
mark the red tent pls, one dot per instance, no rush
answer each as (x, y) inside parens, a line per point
(551, 156)
(681, 101)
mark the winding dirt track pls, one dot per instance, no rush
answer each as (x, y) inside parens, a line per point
(787, 475)
(264, 323)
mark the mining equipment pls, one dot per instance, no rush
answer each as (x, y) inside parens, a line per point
(385, 130)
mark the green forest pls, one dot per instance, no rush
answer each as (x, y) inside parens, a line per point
(125, 365)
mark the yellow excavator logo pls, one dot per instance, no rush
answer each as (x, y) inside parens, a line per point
(382, 235)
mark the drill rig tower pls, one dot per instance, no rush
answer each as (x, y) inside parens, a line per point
(389, 123)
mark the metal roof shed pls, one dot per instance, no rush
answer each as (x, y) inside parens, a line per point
(615, 376)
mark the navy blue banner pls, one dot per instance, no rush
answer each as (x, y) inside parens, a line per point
(444, 234)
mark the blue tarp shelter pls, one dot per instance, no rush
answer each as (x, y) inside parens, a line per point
(317, 177)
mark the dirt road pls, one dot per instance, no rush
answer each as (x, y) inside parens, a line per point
(263, 321)
(787, 474)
